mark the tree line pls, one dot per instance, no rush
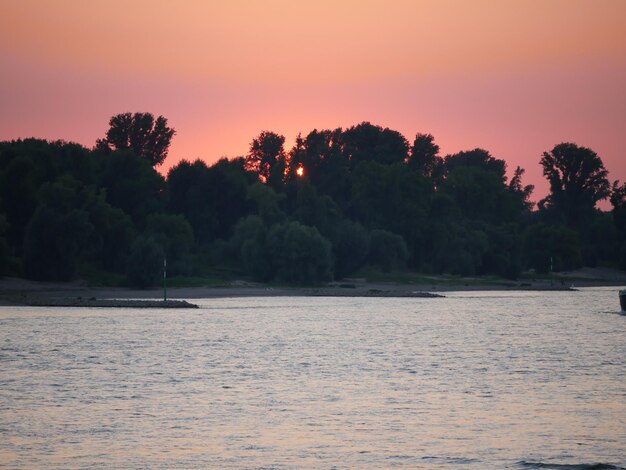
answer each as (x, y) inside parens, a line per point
(338, 201)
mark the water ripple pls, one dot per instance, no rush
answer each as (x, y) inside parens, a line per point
(475, 380)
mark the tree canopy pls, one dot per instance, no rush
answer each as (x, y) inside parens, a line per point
(425, 155)
(363, 199)
(147, 137)
(578, 180)
(267, 157)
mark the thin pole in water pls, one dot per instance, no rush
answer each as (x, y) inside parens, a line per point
(164, 279)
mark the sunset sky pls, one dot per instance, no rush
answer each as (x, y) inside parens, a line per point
(513, 77)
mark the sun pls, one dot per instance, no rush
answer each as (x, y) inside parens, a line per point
(300, 171)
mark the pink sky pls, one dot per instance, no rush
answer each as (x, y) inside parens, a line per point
(513, 77)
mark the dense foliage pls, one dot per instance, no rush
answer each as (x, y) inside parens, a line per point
(338, 201)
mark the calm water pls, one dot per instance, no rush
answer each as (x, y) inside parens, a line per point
(475, 380)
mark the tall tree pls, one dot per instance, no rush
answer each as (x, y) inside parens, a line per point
(141, 133)
(132, 185)
(522, 192)
(578, 180)
(267, 157)
(321, 157)
(424, 155)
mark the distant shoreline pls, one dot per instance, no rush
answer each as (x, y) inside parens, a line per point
(18, 292)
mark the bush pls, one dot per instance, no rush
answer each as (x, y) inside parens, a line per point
(387, 250)
(53, 243)
(351, 244)
(116, 233)
(504, 252)
(557, 246)
(145, 263)
(248, 245)
(5, 258)
(255, 260)
(175, 236)
(299, 253)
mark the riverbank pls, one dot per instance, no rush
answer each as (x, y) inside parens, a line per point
(78, 294)
(46, 301)
(15, 291)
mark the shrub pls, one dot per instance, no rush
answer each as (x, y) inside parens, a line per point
(145, 263)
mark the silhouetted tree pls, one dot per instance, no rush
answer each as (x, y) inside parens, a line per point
(363, 198)
(190, 194)
(578, 180)
(478, 193)
(211, 198)
(367, 142)
(521, 192)
(477, 158)
(478, 184)
(325, 165)
(389, 196)
(140, 132)
(267, 158)
(25, 165)
(425, 156)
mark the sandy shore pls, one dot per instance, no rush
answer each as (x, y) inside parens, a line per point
(15, 291)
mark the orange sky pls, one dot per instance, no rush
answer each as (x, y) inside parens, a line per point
(514, 77)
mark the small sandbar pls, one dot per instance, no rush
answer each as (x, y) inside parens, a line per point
(108, 303)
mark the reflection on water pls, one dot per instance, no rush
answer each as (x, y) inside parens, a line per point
(475, 380)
